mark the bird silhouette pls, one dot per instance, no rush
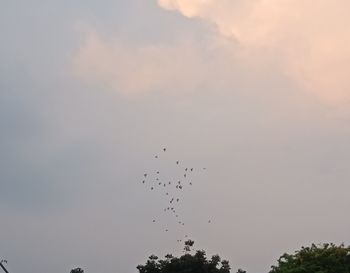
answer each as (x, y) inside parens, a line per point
(145, 175)
(191, 169)
(177, 162)
(164, 149)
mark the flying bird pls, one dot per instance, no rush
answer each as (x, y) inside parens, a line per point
(145, 175)
(164, 149)
(177, 162)
(191, 169)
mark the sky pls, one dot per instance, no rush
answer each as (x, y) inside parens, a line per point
(255, 91)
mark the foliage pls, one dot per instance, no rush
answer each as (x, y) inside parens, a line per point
(77, 270)
(187, 263)
(326, 258)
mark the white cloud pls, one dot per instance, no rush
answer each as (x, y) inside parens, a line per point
(134, 70)
(311, 39)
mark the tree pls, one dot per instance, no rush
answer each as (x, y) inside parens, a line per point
(77, 270)
(187, 263)
(325, 258)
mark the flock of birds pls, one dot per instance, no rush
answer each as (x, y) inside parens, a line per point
(172, 189)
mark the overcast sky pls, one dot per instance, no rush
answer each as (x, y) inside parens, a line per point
(257, 92)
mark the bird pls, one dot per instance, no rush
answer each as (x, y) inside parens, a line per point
(169, 183)
(209, 221)
(190, 183)
(164, 184)
(164, 149)
(177, 162)
(157, 172)
(167, 193)
(145, 175)
(180, 187)
(143, 181)
(157, 178)
(177, 200)
(204, 168)
(156, 156)
(191, 169)
(154, 221)
(151, 188)
(166, 230)
(185, 175)
(186, 169)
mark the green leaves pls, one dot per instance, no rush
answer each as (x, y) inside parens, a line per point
(326, 258)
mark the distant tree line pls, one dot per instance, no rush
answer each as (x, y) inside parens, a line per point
(324, 258)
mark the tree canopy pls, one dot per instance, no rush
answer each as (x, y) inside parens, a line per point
(325, 258)
(187, 263)
(77, 270)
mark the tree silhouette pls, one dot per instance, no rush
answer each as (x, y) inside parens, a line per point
(326, 258)
(187, 263)
(77, 270)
